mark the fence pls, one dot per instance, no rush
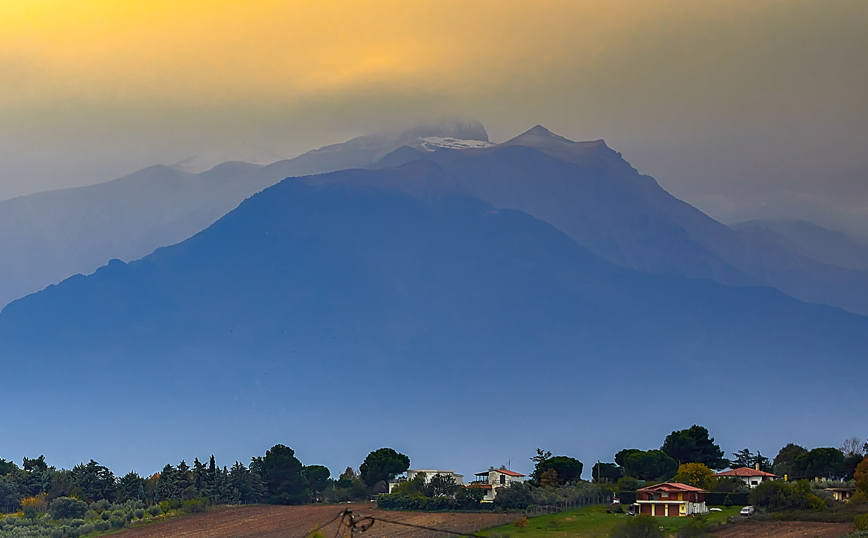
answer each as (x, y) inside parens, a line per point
(574, 504)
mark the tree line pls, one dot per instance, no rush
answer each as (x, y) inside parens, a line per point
(695, 445)
(278, 477)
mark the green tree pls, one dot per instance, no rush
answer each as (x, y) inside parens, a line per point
(283, 476)
(606, 472)
(130, 487)
(93, 481)
(442, 486)
(567, 469)
(823, 462)
(621, 456)
(67, 508)
(783, 462)
(743, 458)
(695, 474)
(246, 486)
(10, 495)
(649, 465)
(694, 445)
(777, 495)
(36, 476)
(317, 477)
(168, 485)
(628, 483)
(382, 465)
(764, 463)
(7, 467)
(541, 456)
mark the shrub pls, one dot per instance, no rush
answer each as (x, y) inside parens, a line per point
(102, 526)
(76, 523)
(777, 496)
(118, 522)
(698, 526)
(100, 505)
(641, 526)
(154, 510)
(170, 504)
(105, 515)
(139, 513)
(861, 522)
(192, 506)
(87, 528)
(67, 508)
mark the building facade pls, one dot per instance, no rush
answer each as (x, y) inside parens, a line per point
(492, 480)
(670, 499)
(428, 474)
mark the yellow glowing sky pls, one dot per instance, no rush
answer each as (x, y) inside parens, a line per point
(208, 51)
(722, 100)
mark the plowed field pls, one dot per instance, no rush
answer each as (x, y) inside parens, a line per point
(296, 521)
(785, 529)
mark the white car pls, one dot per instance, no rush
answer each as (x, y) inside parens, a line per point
(748, 511)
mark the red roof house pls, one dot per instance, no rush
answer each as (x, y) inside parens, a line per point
(751, 477)
(671, 499)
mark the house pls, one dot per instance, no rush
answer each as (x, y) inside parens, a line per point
(841, 494)
(751, 477)
(670, 499)
(428, 474)
(493, 480)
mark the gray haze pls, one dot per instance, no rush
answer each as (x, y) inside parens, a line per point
(746, 110)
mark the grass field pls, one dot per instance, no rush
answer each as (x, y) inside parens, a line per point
(590, 522)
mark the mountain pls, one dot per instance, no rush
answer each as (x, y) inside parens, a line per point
(592, 194)
(50, 236)
(828, 246)
(393, 308)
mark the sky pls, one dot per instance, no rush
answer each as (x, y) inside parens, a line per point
(743, 108)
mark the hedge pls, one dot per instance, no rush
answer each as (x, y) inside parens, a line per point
(718, 498)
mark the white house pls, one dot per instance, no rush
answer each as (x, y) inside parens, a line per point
(428, 475)
(493, 480)
(751, 477)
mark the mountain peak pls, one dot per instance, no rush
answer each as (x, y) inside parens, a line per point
(540, 133)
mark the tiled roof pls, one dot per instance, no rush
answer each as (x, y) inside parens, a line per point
(744, 471)
(672, 486)
(509, 473)
(504, 471)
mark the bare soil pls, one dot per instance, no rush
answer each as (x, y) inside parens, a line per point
(296, 521)
(785, 529)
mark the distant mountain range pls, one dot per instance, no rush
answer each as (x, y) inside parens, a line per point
(394, 305)
(589, 192)
(50, 236)
(828, 246)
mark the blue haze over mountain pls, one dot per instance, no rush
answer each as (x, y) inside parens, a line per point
(829, 246)
(405, 306)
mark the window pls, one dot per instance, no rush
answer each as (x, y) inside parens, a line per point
(502, 480)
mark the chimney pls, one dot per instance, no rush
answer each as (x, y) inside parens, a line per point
(756, 466)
